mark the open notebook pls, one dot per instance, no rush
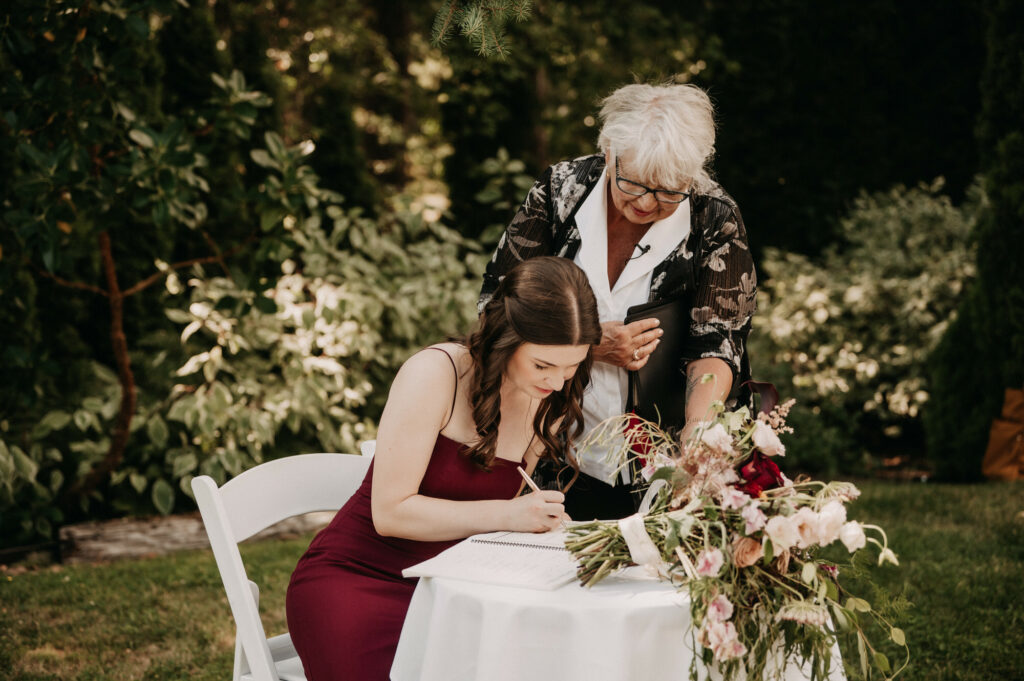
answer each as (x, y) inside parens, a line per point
(534, 561)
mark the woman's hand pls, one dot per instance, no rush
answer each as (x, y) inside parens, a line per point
(537, 512)
(628, 345)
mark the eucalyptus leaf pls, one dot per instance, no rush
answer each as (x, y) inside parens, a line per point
(163, 496)
(25, 466)
(138, 481)
(141, 138)
(156, 429)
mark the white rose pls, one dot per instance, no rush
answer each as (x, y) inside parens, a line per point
(766, 440)
(852, 536)
(718, 439)
(782, 531)
(806, 522)
(830, 520)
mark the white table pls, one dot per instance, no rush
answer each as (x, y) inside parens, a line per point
(626, 627)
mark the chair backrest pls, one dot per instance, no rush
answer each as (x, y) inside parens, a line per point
(255, 500)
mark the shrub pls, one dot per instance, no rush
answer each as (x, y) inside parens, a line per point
(983, 353)
(852, 330)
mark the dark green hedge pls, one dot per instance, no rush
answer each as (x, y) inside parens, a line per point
(983, 352)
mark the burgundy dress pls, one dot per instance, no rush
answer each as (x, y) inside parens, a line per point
(347, 598)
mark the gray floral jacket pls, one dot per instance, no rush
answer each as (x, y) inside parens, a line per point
(712, 268)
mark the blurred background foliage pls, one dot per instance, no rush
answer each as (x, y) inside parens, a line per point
(223, 226)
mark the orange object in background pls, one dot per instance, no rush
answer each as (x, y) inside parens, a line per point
(1004, 457)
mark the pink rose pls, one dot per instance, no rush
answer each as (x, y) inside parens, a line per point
(746, 551)
(852, 536)
(766, 440)
(719, 609)
(709, 562)
(733, 498)
(782, 531)
(755, 518)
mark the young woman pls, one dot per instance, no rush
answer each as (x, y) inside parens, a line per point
(459, 419)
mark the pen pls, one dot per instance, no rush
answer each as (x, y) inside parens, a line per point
(533, 486)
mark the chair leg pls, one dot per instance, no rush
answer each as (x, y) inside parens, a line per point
(241, 666)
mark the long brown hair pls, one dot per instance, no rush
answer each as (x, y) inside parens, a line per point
(545, 301)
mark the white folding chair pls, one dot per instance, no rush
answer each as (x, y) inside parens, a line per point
(249, 503)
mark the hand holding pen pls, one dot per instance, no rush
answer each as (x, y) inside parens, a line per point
(529, 481)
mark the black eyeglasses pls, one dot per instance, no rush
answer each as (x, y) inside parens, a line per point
(636, 189)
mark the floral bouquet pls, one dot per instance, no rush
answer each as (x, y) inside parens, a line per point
(727, 524)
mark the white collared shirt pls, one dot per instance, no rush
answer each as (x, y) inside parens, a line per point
(606, 395)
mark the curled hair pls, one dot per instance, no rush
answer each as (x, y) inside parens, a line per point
(545, 301)
(665, 132)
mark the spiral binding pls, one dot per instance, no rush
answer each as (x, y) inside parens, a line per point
(519, 544)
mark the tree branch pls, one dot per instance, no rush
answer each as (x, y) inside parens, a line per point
(72, 284)
(218, 258)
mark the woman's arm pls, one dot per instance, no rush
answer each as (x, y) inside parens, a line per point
(700, 394)
(417, 407)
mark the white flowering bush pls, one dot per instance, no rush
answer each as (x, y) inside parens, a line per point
(305, 364)
(852, 329)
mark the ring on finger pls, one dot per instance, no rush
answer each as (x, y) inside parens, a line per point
(636, 354)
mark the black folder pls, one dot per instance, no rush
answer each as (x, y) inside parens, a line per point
(657, 391)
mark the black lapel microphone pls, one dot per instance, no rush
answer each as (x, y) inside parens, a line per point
(643, 252)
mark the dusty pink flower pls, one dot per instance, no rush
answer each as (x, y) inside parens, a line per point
(733, 498)
(830, 520)
(746, 551)
(755, 518)
(709, 562)
(730, 649)
(718, 439)
(782, 531)
(766, 440)
(723, 640)
(719, 609)
(852, 536)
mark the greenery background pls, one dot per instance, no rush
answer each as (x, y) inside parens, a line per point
(223, 226)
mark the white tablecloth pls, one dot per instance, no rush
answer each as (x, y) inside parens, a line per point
(626, 627)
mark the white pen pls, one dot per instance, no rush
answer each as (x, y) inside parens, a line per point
(533, 486)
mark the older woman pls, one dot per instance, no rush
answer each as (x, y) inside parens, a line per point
(646, 223)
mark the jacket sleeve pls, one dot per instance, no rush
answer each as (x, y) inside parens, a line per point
(725, 294)
(530, 234)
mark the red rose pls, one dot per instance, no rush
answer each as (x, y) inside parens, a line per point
(638, 438)
(758, 473)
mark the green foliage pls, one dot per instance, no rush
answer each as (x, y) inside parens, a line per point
(983, 353)
(482, 22)
(305, 363)
(506, 187)
(854, 328)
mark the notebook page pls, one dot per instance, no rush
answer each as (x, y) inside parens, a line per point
(504, 558)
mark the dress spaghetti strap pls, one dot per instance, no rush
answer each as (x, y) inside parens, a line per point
(451, 410)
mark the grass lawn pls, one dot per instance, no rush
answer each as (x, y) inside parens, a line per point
(961, 552)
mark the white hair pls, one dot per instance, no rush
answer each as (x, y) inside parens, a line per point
(666, 133)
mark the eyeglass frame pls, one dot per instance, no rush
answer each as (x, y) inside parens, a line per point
(647, 190)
